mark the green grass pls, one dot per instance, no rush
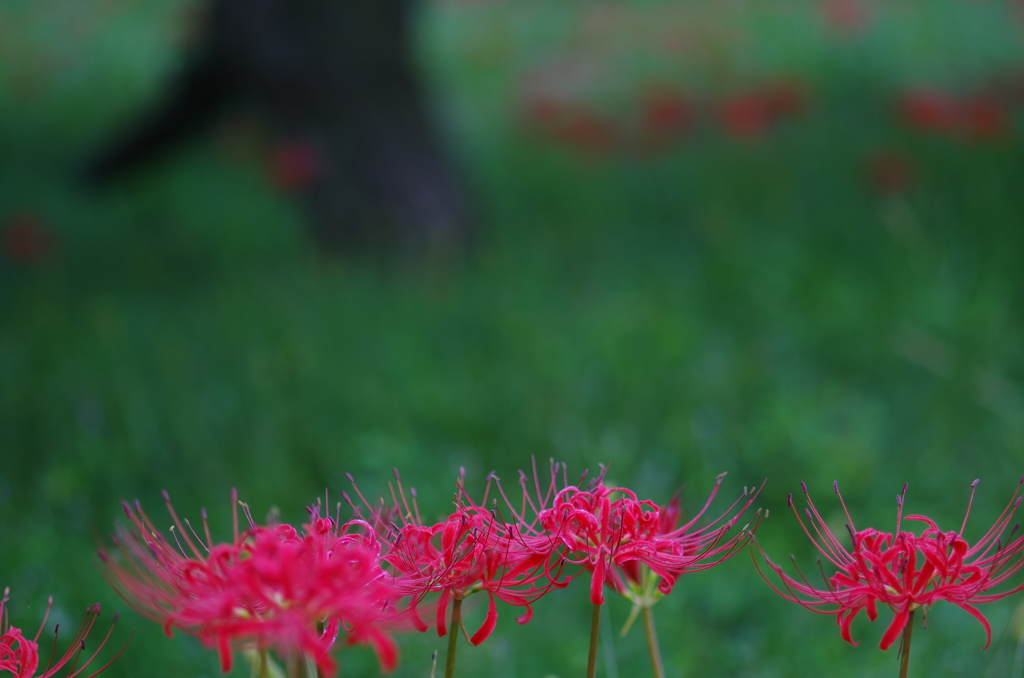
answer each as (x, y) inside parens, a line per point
(732, 307)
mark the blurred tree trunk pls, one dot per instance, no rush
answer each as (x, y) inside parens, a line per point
(336, 80)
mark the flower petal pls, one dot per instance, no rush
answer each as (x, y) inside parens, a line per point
(899, 622)
(489, 623)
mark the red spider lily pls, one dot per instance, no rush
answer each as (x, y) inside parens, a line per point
(665, 112)
(747, 116)
(25, 239)
(848, 17)
(929, 110)
(890, 172)
(985, 118)
(750, 115)
(295, 165)
(905, 571)
(583, 129)
(271, 587)
(471, 551)
(572, 124)
(665, 116)
(982, 117)
(20, 656)
(610, 528)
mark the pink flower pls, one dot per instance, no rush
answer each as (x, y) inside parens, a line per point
(20, 656)
(271, 587)
(905, 571)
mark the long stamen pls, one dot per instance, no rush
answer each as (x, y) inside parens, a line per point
(46, 615)
(234, 513)
(177, 523)
(970, 502)
(849, 520)
(899, 507)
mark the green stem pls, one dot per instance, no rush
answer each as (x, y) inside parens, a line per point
(319, 632)
(295, 665)
(908, 631)
(652, 643)
(264, 661)
(595, 626)
(453, 637)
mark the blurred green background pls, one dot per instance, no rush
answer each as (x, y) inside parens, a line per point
(775, 305)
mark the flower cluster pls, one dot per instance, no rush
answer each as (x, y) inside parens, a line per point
(299, 591)
(905, 571)
(20, 656)
(296, 592)
(555, 532)
(472, 550)
(271, 587)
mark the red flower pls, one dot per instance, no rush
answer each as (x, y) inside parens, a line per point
(849, 17)
(20, 656)
(585, 130)
(664, 117)
(985, 118)
(25, 239)
(295, 165)
(271, 587)
(748, 116)
(473, 550)
(929, 110)
(610, 529)
(572, 124)
(905, 571)
(890, 172)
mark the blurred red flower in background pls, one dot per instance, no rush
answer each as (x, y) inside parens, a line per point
(929, 110)
(982, 117)
(890, 171)
(665, 116)
(25, 239)
(294, 165)
(848, 17)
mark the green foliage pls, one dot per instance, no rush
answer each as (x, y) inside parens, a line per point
(722, 306)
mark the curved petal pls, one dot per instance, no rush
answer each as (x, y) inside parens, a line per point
(597, 581)
(527, 615)
(899, 622)
(976, 613)
(442, 611)
(489, 622)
